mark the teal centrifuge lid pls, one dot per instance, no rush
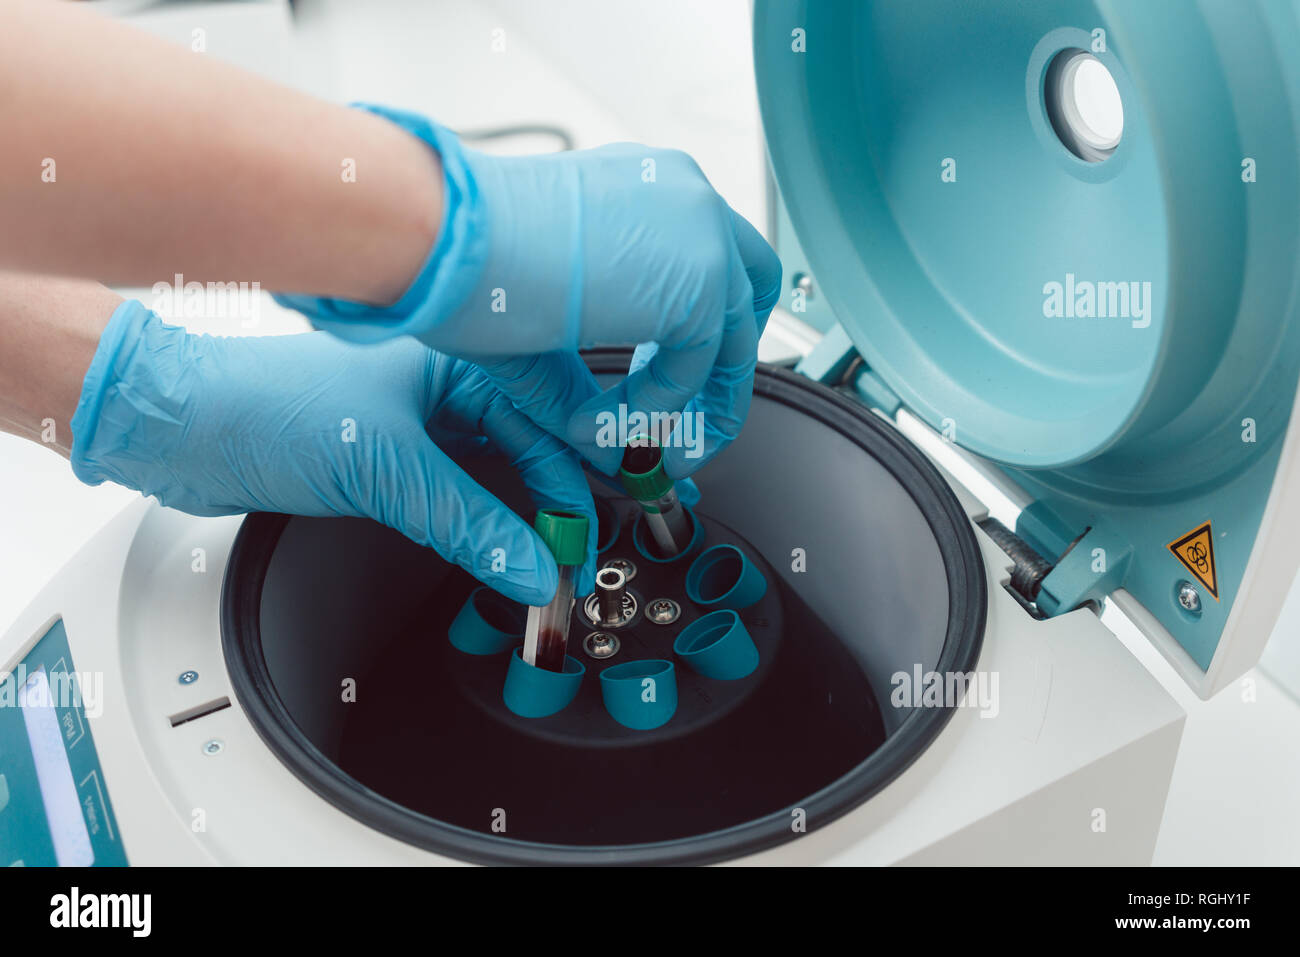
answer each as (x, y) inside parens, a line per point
(1116, 327)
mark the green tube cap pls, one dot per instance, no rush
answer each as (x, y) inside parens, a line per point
(642, 472)
(565, 534)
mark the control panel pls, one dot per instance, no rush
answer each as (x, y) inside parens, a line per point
(54, 804)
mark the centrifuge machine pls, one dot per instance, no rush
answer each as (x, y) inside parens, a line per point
(1096, 308)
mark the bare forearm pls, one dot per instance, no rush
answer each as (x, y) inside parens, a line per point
(129, 159)
(49, 328)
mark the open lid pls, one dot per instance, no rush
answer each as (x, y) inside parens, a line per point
(1065, 234)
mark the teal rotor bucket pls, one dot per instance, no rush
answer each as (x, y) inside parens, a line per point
(1050, 310)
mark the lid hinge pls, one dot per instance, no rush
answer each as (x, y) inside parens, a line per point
(829, 360)
(836, 362)
(1029, 570)
(1091, 568)
(1085, 573)
(1091, 563)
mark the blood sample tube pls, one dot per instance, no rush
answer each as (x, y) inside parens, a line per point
(644, 478)
(547, 633)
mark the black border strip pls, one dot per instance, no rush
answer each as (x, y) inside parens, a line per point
(241, 600)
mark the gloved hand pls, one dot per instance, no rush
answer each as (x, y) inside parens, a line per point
(309, 425)
(539, 256)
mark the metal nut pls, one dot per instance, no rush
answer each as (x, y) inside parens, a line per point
(662, 611)
(600, 644)
(627, 567)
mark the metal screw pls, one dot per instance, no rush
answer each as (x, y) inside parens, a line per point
(663, 611)
(622, 564)
(804, 283)
(215, 746)
(1189, 597)
(188, 677)
(600, 644)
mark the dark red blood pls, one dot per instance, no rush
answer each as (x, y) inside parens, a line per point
(550, 649)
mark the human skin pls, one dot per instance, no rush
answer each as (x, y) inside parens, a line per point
(131, 160)
(49, 328)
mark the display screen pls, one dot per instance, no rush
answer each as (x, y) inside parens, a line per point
(54, 774)
(54, 805)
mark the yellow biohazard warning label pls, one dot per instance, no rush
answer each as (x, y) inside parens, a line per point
(1196, 551)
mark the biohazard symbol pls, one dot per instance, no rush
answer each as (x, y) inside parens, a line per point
(1196, 551)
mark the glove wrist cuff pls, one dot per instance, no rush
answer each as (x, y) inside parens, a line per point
(452, 268)
(116, 344)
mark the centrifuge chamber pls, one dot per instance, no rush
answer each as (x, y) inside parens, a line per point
(873, 572)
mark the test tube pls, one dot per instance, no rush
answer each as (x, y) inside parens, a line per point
(644, 478)
(547, 633)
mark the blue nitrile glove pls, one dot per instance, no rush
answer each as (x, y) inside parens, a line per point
(539, 256)
(309, 425)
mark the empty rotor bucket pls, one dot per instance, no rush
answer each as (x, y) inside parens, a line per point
(723, 577)
(640, 694)
(718, 646)
(607, 526)
(487, 624)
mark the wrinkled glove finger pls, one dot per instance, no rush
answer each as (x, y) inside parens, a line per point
(433, 501)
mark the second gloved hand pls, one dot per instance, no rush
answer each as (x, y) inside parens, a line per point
(539, 256)
(309, 425)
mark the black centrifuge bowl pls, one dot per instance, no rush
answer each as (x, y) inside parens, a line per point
(893, 580)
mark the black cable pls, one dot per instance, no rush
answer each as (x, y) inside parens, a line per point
(520, 129)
